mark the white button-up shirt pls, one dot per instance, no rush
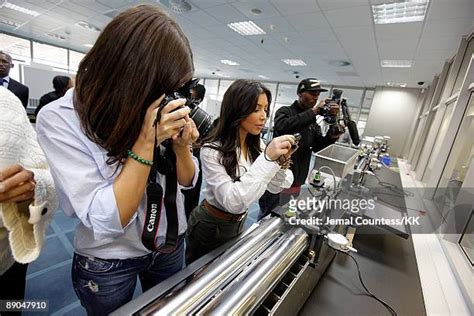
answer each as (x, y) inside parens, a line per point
(255, 178)
(84, 184)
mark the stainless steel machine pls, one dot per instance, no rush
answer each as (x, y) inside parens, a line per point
(270, 270)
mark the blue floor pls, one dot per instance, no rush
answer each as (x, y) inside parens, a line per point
(49, 277)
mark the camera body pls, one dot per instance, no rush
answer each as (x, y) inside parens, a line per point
(201, 118)
(330, 116)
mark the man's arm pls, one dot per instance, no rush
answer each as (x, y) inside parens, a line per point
(286, 123)
(24, 96)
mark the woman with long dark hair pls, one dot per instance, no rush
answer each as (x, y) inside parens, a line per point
(236, 167)
(101, 139)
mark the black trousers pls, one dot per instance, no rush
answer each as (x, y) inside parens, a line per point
(13, 283)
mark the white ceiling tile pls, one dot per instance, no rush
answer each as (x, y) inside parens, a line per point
(341, 4)
(314, 21)
(396, 74)
(287, 7)
(355, 33)
(113, 4)
(398, 30)
(435, 42)
(448, 27)
(201, 18)
(226, 14)
(73, 8)
(397, 49)
(276, 24)
(318, 38)
(268, 10)
(355, 16)
(448, 9)
(204, 4)
(436, 54)
(317, 31)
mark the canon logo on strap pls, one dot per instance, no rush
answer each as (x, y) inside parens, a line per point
(151, 225)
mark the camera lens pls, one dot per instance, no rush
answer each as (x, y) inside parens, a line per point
(202, 120)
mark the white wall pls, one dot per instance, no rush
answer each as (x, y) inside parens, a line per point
(392, 114)
(39, 79)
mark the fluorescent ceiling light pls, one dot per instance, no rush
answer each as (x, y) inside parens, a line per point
(396, 63)
(396, 84)
(88, 45)
(56, 36)
(8, 22)
(246, 28)
(400, 12)
(87, 26)
(294, 62)
(222, 75)
(229, 62)
(263, 77)
(18, 8)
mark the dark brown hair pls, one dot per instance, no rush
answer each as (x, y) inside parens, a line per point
(140, 55)
(240, 100)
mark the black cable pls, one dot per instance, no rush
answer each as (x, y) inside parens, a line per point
(386, 305)
(392, 187)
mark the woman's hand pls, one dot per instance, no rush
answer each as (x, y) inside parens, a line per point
(280, 146)
(16, 184)
(172, 120)
(187, 136)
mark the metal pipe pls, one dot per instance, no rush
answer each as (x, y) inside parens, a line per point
(245, 294)
(219, 272)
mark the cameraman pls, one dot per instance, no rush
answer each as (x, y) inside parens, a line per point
(300, 117)
(100, 142)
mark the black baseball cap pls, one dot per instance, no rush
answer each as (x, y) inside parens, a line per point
(310, 84)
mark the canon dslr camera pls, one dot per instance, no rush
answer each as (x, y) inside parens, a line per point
(201, 118)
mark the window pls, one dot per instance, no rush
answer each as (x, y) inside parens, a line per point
(467, 240)
(50, 55)
(74, 60)
(286, 96)
(18, 48)
(464, 65)
(210, 103)
(443, 128)
(445, 91)
(461, 154)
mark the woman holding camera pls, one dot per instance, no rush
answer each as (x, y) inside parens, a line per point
(237, 167)
(100, 140)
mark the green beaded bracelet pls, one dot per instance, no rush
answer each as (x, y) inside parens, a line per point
(134, 156)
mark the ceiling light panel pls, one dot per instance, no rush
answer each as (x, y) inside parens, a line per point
(87, 26)
(229, 62)
(18, 8)
(246, 28)
(294, 62)
(396, 63)
(400, 12)
(396, 84)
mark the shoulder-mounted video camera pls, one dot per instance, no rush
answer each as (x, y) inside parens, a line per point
(335, 119)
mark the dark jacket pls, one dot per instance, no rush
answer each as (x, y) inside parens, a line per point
(20, 90)
(45, 99)
(294, 119)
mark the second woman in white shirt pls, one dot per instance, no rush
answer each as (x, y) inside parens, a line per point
(237, 167)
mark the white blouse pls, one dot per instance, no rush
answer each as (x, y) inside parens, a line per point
(235, 197)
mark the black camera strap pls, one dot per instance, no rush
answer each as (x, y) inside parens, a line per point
(164, 164)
